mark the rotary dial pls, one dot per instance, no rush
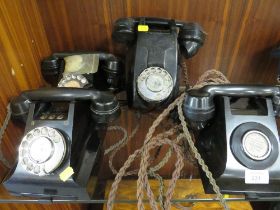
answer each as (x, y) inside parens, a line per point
(42, 150)
(154, 84)
(72, 80)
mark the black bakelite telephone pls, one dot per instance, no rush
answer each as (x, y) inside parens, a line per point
(98, 70)
(237, 136)
(152, 59)
(63, 130)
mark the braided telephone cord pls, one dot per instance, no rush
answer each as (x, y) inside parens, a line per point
(142, 181)
(198, 156)
(152, 170)
(2, 131)
(131, 158)
(120, 142)
(117, 147)
(185, 72)
(161, 187)
(149, 146)
(209, 77)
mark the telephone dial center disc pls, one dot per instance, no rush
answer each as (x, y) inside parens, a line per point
(154, 84)
(256, 145)
(42, 150)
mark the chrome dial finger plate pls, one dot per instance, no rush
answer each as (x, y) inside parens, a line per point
(42, 150)
(72, 80)
(154, 84)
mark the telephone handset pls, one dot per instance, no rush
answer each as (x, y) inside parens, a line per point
(152, 60)
(191, 36)
(97, 70)
(63, 130)
(237, 136)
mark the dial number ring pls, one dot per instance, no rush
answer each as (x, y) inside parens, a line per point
(42, 150)
(154, 84)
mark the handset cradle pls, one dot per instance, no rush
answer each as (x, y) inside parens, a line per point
(199, 104)
(85, 69)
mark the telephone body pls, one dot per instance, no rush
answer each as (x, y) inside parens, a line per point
(152, 59)
(98, 70)
(63, 130)
(237, 136)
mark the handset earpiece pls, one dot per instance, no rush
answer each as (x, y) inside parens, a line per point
(191, 37)
(198, 108)
(51, 69)
(124, 30)
(113, 69)
(19, 109)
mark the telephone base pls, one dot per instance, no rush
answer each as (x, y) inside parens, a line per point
(223, 144)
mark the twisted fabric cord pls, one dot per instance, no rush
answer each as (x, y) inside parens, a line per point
(159, 178)
(179, 206)
(142, 180)
(161, 187)
(175, 175)
(132, 157)
(127, 164)
(185, 71)
(144, 176)
(121, 142)
(199, 158)
(210, 77)
(2, 131)
(152, 172)
(116, 147)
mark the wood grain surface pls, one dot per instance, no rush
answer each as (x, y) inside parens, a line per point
(185, 189)
(23, 43)
(240, 35)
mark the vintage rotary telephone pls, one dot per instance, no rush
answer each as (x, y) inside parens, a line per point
(237, 136)
(63, 128)
(96, 70)
(152, 60)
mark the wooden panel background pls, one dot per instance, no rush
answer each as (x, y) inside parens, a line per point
(23, 43)
(240, 35)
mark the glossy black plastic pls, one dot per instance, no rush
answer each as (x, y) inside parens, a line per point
(53, 66)
(220, 145)
(191, 35)
(199, 105)
(104, 105)
(82, 138)
(159, 46)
